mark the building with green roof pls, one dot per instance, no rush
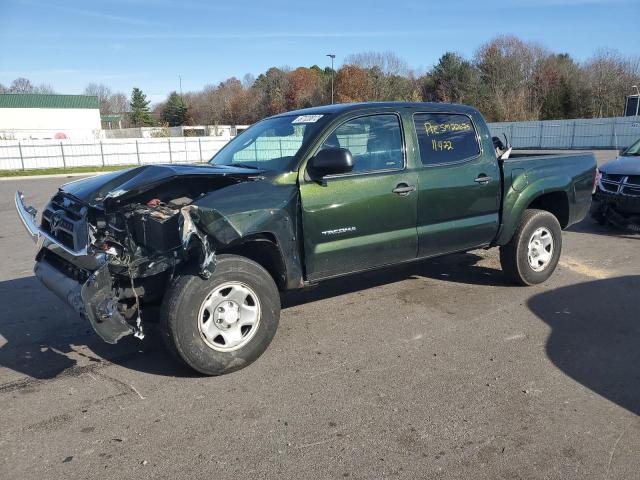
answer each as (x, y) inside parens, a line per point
(31, 115)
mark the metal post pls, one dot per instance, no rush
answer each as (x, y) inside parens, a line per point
(573, 136)
(101, 153)
(540, 140)
(200, 148)
(332, 56)
(510, 139)
(21, 158)
(280, 141)
(64, 161)
(614, 139)
(170, 155)
(137, 152)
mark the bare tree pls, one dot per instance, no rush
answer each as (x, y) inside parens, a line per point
(507, 66)
(21, 85)
(248, 80)
(609, 77)
(102, 92)
(43, 89)
(388, 62)
(118, 103)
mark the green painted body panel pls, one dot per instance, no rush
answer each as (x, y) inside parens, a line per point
(354, 222)
(456, 213)
(531, 177)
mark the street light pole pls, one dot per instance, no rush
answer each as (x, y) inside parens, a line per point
(332, 56)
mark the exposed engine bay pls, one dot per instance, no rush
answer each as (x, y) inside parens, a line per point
(141, 241)
(138, 240)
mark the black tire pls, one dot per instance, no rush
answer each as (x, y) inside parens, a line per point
(514, 255)
(181, 308)
(599, 218)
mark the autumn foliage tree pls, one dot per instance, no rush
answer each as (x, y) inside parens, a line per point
(507, 79)
(353, 84)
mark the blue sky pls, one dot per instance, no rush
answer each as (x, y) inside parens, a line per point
(148, 44)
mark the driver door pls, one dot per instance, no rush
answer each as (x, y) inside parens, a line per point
(365, 218)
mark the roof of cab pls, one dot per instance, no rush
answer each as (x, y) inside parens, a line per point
(346, 107)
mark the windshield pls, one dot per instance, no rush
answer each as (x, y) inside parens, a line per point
(272, 144)
(633, 150)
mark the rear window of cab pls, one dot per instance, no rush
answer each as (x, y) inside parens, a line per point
(445, 138)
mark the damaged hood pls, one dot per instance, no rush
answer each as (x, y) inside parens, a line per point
(622, 166)
(94, 190)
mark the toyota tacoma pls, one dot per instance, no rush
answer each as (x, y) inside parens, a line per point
(296, 199)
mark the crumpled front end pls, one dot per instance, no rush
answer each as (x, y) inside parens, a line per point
(112, 259)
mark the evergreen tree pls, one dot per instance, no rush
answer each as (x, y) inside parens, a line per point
(174, 111)
(140, 109)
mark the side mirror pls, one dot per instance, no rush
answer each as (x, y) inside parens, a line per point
(330, 161)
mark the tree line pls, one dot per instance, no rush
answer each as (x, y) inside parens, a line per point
(506, 79)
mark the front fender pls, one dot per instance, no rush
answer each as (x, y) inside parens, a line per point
(253, 209)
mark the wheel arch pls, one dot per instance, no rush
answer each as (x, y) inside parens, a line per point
(263, 249)
(553, 195)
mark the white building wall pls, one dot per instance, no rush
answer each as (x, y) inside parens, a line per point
(44, 123)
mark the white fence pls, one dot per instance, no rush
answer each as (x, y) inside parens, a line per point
(605, 133)
(35, 154)
(38, 154)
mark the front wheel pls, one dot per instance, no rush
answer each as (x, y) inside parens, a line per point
(225, 322)
(532, 254)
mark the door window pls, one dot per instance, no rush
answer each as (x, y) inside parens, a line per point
(375, 142)
(445, 138)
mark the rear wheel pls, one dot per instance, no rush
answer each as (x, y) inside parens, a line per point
(225, 322)
(532, 254)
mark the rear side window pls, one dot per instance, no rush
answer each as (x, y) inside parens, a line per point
(445, 138)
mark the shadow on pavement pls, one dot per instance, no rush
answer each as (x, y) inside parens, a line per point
(595, 335)
(41, 337)
(457, 268)
(589, 225)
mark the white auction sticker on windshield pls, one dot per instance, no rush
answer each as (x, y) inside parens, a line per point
(307, 119)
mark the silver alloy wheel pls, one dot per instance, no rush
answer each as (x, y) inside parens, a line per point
(229, 316)
(540, 250)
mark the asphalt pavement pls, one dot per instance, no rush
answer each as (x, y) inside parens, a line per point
(438, 369)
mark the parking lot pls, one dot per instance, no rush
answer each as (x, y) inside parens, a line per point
(438, 369)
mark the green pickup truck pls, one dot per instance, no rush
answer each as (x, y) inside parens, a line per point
(295, 199)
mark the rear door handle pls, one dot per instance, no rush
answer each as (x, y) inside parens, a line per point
(483, 179)
(404, 189)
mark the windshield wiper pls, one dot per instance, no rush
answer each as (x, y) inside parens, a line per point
(245, 165)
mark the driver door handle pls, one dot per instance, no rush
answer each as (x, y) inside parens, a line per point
(483, 179)
(404, 189)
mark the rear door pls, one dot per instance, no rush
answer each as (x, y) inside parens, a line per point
(365, 218)
(459, 185)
